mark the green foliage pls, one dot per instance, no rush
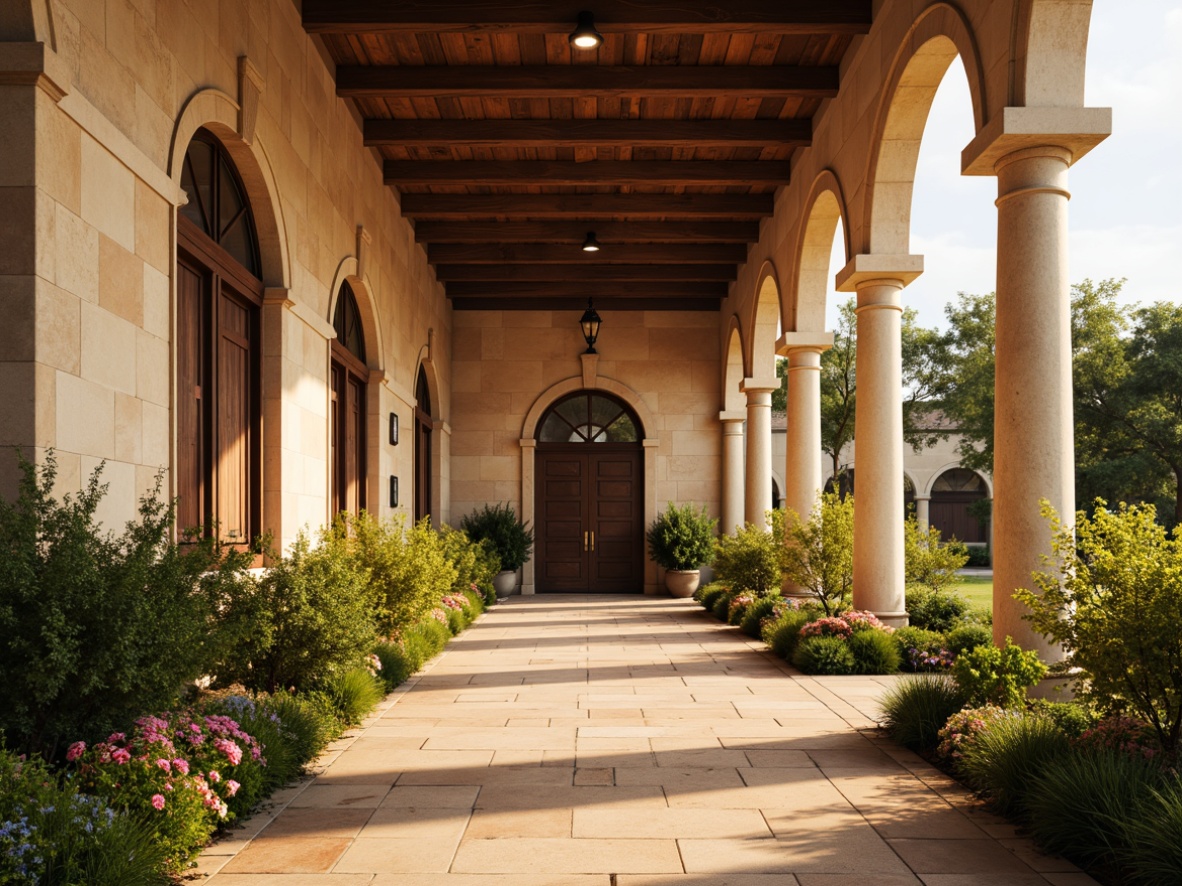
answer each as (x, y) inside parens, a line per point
(352, 694)
(1153, 836)
(749, 560)
(968, 360)
(99, 627)
(751, 624)
(409, 568)
(818, 553)
(475, 562)
(926, 561)
(1112, 601)
(875, 652)
(968, 636)
(922, 640)
(989, 675)
(978, 555)
(839, 384)
(312, 614)
(510, 538)
(707, 595)
(783, 634)
(1004, 760)
(738, 608)
(304, 727)
(395, 667)
(422, 641)
(915, 709)
(682, 537)
(722, 606)
(1073, 718)
(935, 610)
(824, 655)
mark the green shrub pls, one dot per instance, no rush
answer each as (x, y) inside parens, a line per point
(751, 625)
(312, 615)
(1112, 601)
(475, 562)
(968, 636)
(722, 606)
(396, 668)
(749, 560)
(987, 674)
(875, 652)
(409, 568)
(253, 718)
(682, 537)
(710, 593)
(1079, 803)
(423, 641)
(962, 729)
(824, 655)
(817, 554)
(916, 708)
(1003, 761)
(353, 694)
(783, 634)
(935, 610)
(304, 727)
(1074, 719)
(928, 562)
(925, 644)
(979, 557)
(99, 627)
(739, 605)
(1152, 832)
(511, 539)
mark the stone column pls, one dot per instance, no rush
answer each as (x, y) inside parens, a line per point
(1030, 150)
(759, 448)
(803, 475)
(922, 512)
(878, 431)
(732, 471)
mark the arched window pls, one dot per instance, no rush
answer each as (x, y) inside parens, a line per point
(217, 349)
(350, 375)
(589, 418)
(423, 429)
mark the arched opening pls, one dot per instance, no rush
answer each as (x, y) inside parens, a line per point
(348, 405)
(952, 511)
(218, 353)
(424, 427)
(589, 496)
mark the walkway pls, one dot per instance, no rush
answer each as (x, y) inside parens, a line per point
(631, 741)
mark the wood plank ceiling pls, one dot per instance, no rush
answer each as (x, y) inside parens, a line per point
(508, 145)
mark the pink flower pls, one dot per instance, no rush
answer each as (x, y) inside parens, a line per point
(164, 764)
(214, 776)
(181, 765)
(117, 736)
(232, 786)
(121, 755)
(76, 750)
(230, 749)
(158, 801)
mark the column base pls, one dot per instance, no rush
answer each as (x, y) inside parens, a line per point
(894, 619)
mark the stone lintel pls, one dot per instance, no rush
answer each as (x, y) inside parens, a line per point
(813, 340)
(1076, 130)
(866, 267)
(34, 64)
(768, 383)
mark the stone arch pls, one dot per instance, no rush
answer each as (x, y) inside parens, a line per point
(825, 206)
(372, 327)
(767, 308)
(1051, 45)
(732, 368)
(427, 363)
(218, 112)
(556, 392)
(952, 466)
(938, 36)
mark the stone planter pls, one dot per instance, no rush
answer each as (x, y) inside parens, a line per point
(682, 582)
(505, 582)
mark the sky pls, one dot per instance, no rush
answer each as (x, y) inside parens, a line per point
(1124, 216)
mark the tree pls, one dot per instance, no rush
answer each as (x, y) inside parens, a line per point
(839, 387)
(967, 388)
(780, 394)
(817, 554)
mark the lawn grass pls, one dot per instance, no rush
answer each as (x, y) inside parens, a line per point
(978, 590)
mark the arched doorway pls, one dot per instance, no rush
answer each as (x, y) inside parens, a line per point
(589, 507)
(423, 429)
(218, 352)
(350, 375)
(953, 494)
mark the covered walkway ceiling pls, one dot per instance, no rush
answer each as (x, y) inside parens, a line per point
(508, 146)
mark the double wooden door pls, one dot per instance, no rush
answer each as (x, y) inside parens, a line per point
(590, 519)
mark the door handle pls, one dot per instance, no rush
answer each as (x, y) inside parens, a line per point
(592, 541)
(585, 537)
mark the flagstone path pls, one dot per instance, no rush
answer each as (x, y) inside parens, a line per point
(624, 741)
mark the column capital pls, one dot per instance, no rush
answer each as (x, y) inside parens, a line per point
(37, 65)
(1075, 130)
(731, 417)
(803, 341)
(759, 385)
(867, 269)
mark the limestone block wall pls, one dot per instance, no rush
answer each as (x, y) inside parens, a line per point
(98, 119)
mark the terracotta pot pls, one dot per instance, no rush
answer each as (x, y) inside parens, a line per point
(682, 582)
(505, 582)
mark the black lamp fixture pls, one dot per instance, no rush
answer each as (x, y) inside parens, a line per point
(590, 244)
(590, 324)
(584, 36)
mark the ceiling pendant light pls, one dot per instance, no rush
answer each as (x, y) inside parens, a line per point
(584, 36)
(590, 244)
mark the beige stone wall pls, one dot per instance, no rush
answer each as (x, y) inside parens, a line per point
(97, 189)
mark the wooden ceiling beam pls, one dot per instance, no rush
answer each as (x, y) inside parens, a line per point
(590, 133)
(587, 289)
(573, 232)
(579, 81)
(570, 253)
(611, 16)
(597, 172)
(464, 207)
(588, 273)
(607, 304)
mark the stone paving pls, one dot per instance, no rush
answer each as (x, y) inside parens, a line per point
(624, 741)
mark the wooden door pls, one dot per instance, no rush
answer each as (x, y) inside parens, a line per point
(590, 520)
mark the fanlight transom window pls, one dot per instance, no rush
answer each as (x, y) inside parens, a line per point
(217, 202)
(959, 480)
(589, 418)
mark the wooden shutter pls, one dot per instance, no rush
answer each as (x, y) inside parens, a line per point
(235, 409)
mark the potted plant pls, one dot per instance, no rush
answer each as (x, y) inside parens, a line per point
(511, 540)
(681, 540)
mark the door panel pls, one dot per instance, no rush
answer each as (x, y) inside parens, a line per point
(590, 530)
